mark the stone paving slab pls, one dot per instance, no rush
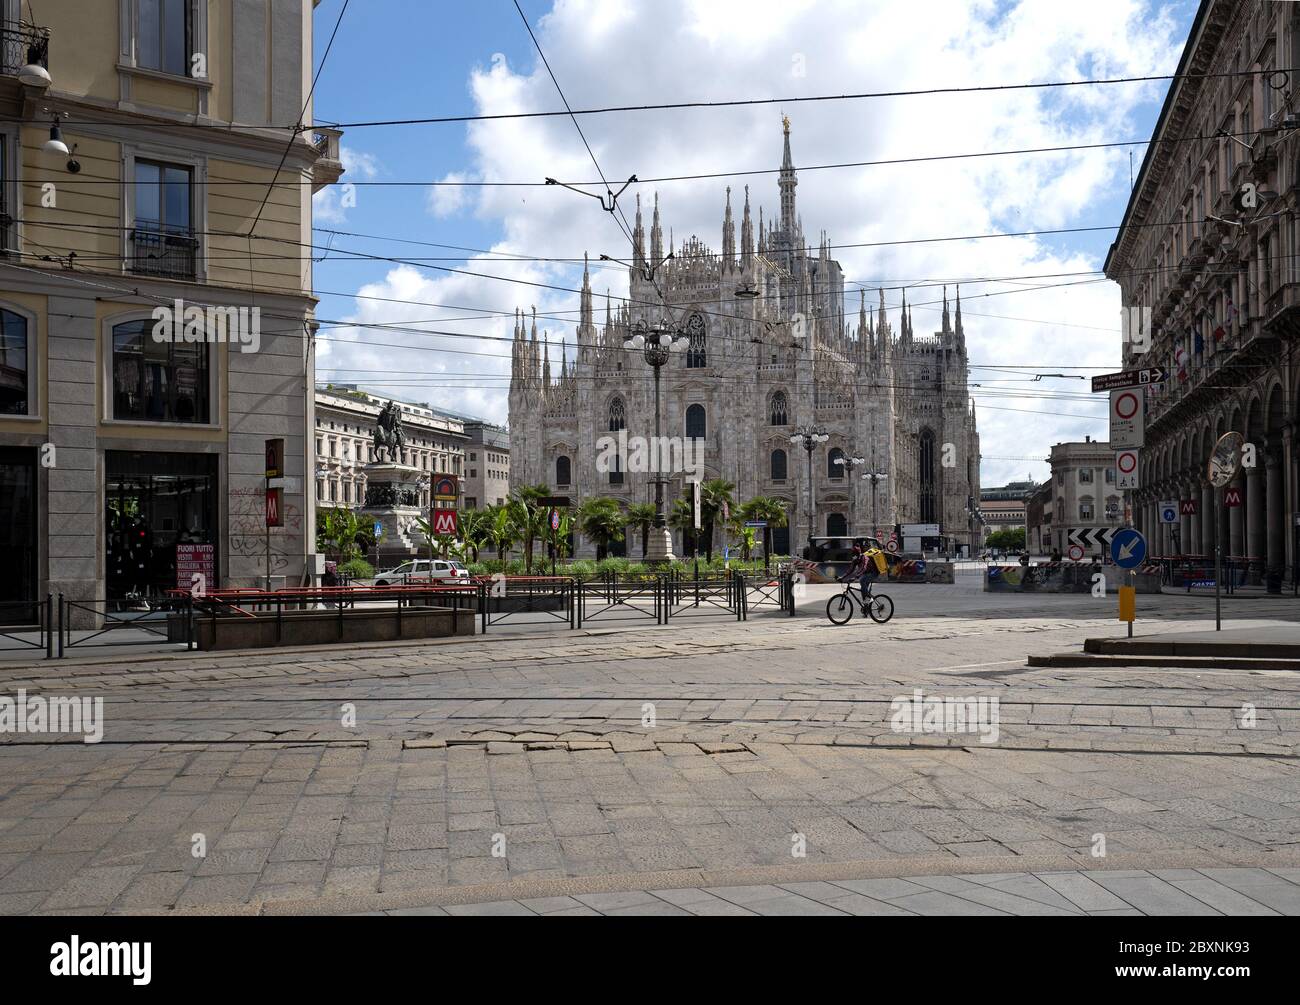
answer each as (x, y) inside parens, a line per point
(1150, 893)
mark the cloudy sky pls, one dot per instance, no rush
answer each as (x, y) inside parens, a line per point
(1032, 304)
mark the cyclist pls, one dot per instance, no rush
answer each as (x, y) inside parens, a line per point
(865, 568)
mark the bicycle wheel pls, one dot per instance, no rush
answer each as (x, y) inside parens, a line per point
(840, 608)
(881, 608)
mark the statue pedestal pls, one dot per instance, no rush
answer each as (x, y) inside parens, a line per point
(393, 501)
(659, 545)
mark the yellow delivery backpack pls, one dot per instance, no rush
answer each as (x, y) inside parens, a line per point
(876, 556)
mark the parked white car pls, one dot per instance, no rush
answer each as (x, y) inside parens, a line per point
(421, 568)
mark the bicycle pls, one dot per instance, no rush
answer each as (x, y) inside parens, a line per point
(878, 606)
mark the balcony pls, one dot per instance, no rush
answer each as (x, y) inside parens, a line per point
(22, 43)
(160, 251)
(328, 168)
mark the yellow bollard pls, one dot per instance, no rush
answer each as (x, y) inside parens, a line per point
(1127, 604)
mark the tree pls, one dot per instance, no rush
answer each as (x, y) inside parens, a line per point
(1007, 540)
(601, 519)
(501, 530)
(769, 510)
(529, 515)
(339, 527)
(641, 516)
(715, 497)
(474, 530)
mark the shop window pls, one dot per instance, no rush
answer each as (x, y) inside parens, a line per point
(13, 364)
(158, 381)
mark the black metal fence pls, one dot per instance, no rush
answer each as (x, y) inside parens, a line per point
(657, 598)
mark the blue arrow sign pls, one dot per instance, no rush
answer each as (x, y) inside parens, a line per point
(1128, 548)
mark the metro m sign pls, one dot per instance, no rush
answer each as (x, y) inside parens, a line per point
(275, 507)
(444, 521)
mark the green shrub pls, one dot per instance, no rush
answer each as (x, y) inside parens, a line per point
(357, 568)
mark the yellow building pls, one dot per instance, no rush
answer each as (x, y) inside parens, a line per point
(132, 449)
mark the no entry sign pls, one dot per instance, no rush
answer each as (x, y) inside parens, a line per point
(1126, 464)
(1126, 421)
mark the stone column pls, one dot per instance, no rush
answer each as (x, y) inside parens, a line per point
(1255, 513)
(1275, 545)
(1236, 521)
(1208, 516)
(1185, 532)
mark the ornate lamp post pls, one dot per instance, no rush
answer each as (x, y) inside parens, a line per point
(874, 475)
(850, 464)
(808, 437)
(658, 342)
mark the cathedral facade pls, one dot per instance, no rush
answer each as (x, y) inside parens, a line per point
(771, 353)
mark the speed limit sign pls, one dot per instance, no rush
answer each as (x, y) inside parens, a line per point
(1076, 552)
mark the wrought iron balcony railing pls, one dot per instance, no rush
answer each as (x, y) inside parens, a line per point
(22, 43)
(161, 251)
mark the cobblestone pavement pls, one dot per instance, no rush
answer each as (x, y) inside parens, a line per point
(1237, 892)
(511, 767)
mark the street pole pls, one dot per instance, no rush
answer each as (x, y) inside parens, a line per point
(1218, 563)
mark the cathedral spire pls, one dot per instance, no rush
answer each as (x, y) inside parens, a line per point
(728, 236)
(787, 183)
(656, 236)
(746, 234)
(762, 233)
(638, 236)
(546, 361)
(947, 327)
(585, 319)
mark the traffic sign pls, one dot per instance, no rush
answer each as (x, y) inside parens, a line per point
(379, 529)
(1076, 552)
(1232, 497)
(756, 524)
(892, 545)
(1126, 464)
(1187, 507)
(1089, 537)
(1128, 548)
(555, 519)
(1128, 378)
(444, 521)
(1169, 512)
(1126, 419)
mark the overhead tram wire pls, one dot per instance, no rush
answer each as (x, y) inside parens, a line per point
(726, 103)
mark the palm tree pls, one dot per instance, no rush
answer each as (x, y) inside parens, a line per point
(502, 530)
(715, 497)
(340, 527)
(529, 515)
(601, 519)
(642, 516)
(474, 530)
(771, 511)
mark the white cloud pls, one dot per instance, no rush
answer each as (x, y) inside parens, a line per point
(331, 204)
(623, 53)
(448, 200)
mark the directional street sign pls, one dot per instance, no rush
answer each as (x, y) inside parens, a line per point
(1126, 419)
(1090, 538)
(1129, 378)
(1169, 511)
(1126, 464)
(1128, 548)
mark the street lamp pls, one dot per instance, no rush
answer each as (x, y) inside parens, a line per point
(874, 475)
(808, 437)
(850, 464)
(657, 342)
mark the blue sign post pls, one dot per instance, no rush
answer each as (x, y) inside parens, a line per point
(1128, 548)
